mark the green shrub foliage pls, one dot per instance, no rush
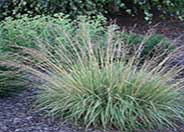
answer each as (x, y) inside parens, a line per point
(25, 30)
(91, 7)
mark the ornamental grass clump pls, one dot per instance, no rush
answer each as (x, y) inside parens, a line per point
(100, 82)
(9, 88)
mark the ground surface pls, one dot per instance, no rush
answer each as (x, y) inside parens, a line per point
(16, 115)
(15, 112)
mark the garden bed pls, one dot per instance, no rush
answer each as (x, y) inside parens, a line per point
(16, 114)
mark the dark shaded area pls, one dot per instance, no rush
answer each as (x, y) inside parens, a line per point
(171, 27)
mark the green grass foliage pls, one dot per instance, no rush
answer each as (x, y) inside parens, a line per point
(96, 79)
(25, 32)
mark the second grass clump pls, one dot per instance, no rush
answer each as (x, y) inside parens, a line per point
(101, 82)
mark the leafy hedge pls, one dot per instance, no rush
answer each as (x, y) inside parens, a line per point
(91, 7)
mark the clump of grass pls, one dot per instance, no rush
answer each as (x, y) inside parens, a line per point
(98, 82)
(11, 81)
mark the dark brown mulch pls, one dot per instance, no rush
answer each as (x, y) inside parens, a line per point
(173, 29)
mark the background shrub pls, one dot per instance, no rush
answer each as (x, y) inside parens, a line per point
(153, 44)
(165, 8)
(24, 30)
